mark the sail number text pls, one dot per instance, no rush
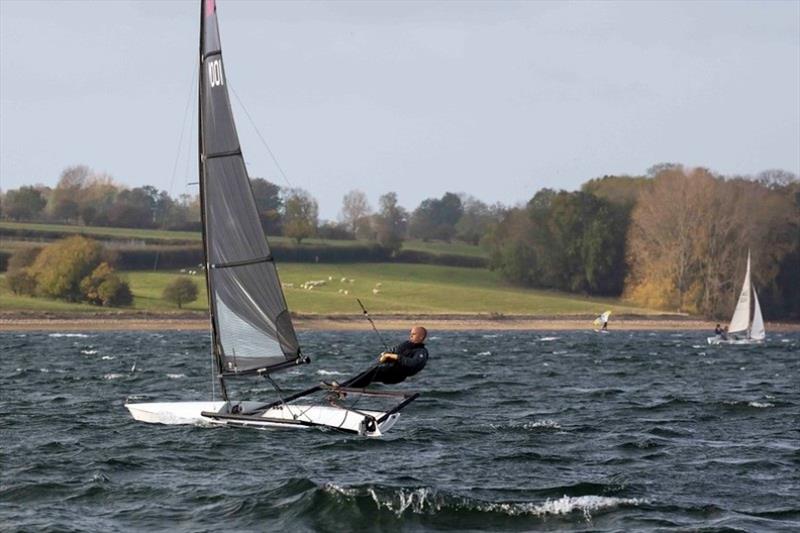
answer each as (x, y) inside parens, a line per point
(215, 78)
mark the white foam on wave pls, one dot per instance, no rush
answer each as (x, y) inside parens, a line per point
(78, 335)
(112, 376)
(490, 336)
(176, 376)
(548, 339)
(485, 353)
(323, 372)
(424, 500)
(760, 405)
(537, 425)
(89, 352)
(564, 505)
(337, 489)
(417, 500)
(107, 357)
(546, 423)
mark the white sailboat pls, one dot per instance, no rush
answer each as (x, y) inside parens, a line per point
(251, 329)
(743, 330)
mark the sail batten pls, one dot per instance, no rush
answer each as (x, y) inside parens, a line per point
(252, 328)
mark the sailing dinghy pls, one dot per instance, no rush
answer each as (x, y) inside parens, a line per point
(251, 329)
(741, 329)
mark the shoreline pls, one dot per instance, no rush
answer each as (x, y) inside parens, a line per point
(28, 321)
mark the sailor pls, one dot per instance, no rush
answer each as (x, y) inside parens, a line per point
(394, 366)
(718, 331)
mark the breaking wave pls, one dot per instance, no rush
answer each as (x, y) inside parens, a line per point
(429, 501)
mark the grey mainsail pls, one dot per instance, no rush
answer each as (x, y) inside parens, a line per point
(251, 326)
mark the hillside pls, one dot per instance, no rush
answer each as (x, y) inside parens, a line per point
(404, 289)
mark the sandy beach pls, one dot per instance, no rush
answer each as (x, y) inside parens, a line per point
(33, 321)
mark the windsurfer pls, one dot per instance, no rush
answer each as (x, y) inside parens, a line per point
(394, 366)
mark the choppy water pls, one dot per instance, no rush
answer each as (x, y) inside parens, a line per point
(516, 431)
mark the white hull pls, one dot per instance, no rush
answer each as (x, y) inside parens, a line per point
(295, 416)
(720, 340)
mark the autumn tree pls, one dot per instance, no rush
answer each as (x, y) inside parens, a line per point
(390, 222)
(61, 266)
(64, 201)
(105, 287)
(180, 291)
(300, 217)
(355, 209)
(689, 236)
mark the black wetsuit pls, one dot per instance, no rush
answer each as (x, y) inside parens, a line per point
(411, 358)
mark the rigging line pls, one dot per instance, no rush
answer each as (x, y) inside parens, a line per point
(280, 396)
(178, 151)
(213, 363)
(366, 314)
(263, 141)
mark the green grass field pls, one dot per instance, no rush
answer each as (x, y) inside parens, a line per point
(405, 289)
(99, 231)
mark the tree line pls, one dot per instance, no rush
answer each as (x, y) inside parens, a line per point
(82, 196)
(675, 238)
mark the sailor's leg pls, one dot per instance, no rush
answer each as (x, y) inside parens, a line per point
(361, 380)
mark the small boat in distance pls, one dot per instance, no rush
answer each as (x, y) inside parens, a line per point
(601, 322)
(741, 329)
(252, 335)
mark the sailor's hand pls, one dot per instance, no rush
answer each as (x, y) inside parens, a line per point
(386, 356)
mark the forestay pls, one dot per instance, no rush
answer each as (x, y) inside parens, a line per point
(251, 326)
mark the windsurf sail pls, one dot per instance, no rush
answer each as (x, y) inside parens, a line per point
(251, 326)
(602, 319)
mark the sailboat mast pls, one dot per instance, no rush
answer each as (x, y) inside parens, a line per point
(204, 4)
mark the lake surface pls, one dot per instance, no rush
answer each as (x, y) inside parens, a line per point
(515, 431)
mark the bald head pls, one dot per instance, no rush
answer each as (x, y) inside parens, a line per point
(418, 334)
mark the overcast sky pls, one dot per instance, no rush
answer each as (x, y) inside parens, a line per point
(495, 99)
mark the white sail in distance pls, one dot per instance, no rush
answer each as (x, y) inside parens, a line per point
(740, 322)
(757, 331)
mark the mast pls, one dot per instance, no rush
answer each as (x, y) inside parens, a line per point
(251, 327)
(204, 4)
